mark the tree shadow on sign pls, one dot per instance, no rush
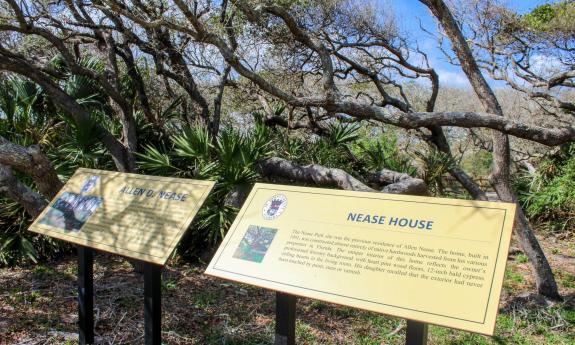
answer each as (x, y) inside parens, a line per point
(143, 228)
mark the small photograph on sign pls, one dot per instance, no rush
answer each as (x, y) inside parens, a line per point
(70, 211)
(255, 243)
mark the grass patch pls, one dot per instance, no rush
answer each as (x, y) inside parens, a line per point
(565, 279)
(513, 280)
(205, 299)
(129, 302)
(47, 273)
(304, 333)
(521, 258)
(204, 310)
(169, 284)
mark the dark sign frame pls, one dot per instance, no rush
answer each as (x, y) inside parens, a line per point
(152, 299)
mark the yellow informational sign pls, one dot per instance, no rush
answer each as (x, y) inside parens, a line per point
(138, 216)
(433, 260)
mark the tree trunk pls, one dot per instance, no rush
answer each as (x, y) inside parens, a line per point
(397, 183)
(120, 154)
(440, 141)
(394, 182)
(214, 123)
(499, 178)
(32, 162)
(32, 202)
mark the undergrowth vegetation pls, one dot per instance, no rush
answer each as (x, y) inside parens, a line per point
(548, 194)
(231, 159)
(181, 151)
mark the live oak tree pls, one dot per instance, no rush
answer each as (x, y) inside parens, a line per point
(507, 47)
(71, 29)
(532, 53)
(322, 60)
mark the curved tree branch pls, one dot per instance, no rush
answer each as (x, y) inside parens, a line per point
(500, 176)
(122, 157)
(32, 162)
(32, 202)
(397, 183)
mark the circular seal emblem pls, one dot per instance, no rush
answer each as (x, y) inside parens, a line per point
(274, 207)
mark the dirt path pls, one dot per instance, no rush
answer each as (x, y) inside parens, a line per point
(38, 306)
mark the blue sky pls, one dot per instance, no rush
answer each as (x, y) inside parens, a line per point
(409, 14)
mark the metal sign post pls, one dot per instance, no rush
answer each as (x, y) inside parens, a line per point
(153, 304)
(285, 319)
(152, 299)
(104, 198)
(86, 295)
(416, 333)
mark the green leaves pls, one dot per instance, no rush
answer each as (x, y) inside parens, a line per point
(227, 159)
(27, 250)
(17, 244)
(236, 153)
(553, 18)
(383, 153)
(16, 248)
(435, 165)
(550, 17)
(156, 162)
(24, 104)
(83, 133)
(342, 133)
(83, 89)
(194, 143)
(548, 194)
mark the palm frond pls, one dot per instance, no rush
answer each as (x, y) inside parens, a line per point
(156, 162)
(194, 143)
(342, 133)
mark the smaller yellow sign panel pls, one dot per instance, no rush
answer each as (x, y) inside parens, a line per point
(138, 216)
(433, 260)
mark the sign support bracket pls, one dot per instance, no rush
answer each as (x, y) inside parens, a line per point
(152, 304)
(416, 333)
(85, 295)
(285, 319)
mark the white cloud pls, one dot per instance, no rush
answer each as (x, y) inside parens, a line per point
(453, 79)
(546, 65)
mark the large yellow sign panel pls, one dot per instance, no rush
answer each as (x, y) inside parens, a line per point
(434, 260)
(141, 217)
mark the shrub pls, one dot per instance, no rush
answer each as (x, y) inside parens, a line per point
(548, 195)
